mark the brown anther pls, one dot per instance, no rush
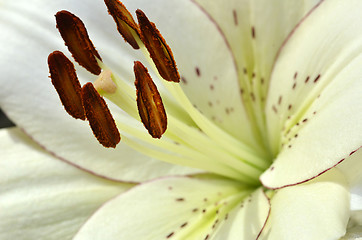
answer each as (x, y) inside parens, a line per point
(126, 25)
(65, 81)
(160, 52)
(149, 102)
(99, 116)
(76, 38)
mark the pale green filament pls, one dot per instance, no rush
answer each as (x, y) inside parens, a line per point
(202, 144)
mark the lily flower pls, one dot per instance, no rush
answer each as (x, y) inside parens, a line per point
(212, 120)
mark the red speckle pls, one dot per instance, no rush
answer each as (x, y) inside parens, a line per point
(198, 73)
(253, 35)
(235, 15)
(317, 78)
(307, 79)
(183, 225)
(170, 235)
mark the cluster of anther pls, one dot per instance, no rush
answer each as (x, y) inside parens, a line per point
(85, 102)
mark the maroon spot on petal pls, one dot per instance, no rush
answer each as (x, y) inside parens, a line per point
(305, 120)
(207, 236)
(195, 210)
(170, 235)
(253, 34)
(211, 87)
(180, 199)
(275, 109)
(280, 100)
(235, 16)
(197, 70)
(252, 96)
(290, 107)
(295, 75)
(294, 86)
(245, 71)
(183, 79)
(184, 225)
(307, 79)
(317, 78)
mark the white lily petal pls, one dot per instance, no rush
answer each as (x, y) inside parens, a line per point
(351, 167)
(318, 209)
(205, 62)
(42, 197)
(168, 208)
(29, 99)
(246, 222)
(255, 30)
(354, 228)
(314, 119)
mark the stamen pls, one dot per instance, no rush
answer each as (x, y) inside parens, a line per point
(65, 81)
(126, 26)
(149, 102)
(160, 52)
(76, 38)
(99, 116)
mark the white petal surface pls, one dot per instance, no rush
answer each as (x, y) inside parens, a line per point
(314, 119)
(317, 210)
(354, 228)
(28, 98)
(169, 208)
(246, 222)
(351, 168)
(255, 30)
(42, 197)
